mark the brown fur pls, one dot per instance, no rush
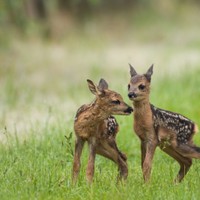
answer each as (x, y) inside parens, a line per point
(170, 131)
(94, 124)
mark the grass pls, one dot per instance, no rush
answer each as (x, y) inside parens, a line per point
(42, 84)
(39, 167)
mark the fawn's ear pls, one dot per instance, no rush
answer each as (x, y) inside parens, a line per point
(149, 73)
(93, 88)
(132, 71)
(103, 85)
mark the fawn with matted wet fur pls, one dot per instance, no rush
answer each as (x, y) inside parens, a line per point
(95, 124)
(170, 131)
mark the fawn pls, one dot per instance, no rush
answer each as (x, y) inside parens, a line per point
(170, 131)
(95, 124)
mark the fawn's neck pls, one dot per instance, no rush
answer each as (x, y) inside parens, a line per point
(97, 112)
(142, 111)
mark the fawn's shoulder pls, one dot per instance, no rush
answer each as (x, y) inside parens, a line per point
(83, 109)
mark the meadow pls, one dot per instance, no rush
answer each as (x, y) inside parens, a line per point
(43, 83)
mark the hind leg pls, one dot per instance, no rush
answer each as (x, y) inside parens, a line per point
(189, 151)
(110, 151)
(113, 144)
(185, 163)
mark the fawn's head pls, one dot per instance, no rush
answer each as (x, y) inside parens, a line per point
(139, 86)
(107, 100)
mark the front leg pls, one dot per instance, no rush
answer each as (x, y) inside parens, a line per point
(77, 163)
(150, 148)
(143, 152)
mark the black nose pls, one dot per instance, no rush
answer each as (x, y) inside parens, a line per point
(132, 95)
(129, 110)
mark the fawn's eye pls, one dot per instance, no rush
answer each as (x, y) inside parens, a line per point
(116, 102)
(141, 87)
(129, 86)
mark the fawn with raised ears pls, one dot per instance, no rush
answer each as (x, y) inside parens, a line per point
(170, 131)
(95, 124)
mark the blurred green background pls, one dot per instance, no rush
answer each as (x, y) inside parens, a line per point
(49, 48)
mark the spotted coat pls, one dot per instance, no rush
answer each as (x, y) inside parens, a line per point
(182, 126)
(111, 126)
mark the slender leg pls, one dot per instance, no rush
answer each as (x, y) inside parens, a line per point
(147, 164)
(188, 151)
(143, 152)
(91, 162)
(113, 144)
(185, 163)
(112, 153)
(77, 164)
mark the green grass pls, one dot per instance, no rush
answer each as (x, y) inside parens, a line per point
(42, 84)
(39, 167)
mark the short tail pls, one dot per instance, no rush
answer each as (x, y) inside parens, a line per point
(196, 129)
